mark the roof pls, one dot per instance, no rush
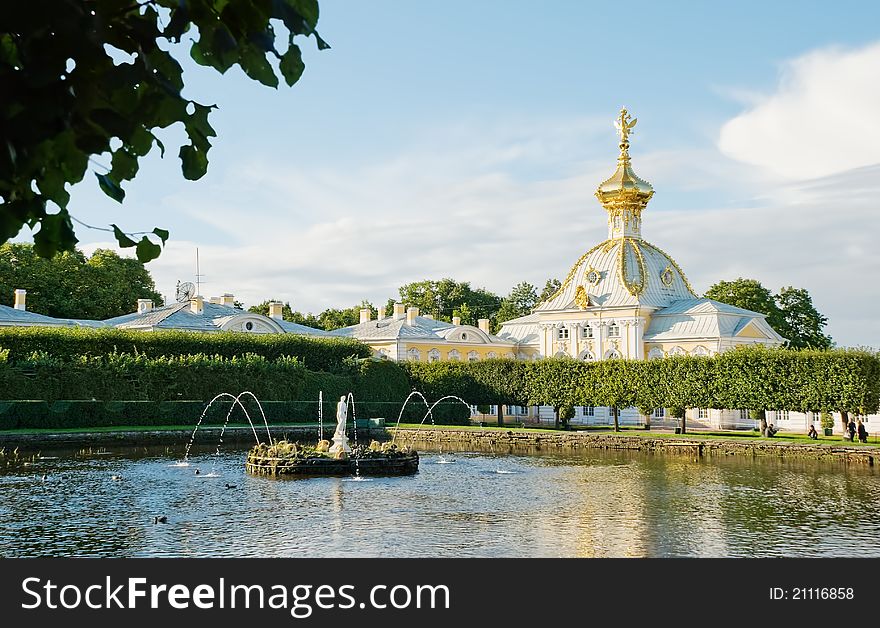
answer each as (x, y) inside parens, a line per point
(629, 272)
(12, 316)
(692, 319)
(423, 328)
(522, 330)
(214, 317)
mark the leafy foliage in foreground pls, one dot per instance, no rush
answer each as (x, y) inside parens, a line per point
(81, 78)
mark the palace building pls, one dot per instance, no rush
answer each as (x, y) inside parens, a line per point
(627, 298)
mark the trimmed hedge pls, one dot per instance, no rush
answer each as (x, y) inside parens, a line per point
(316, 353)
(126, 389)
(748, 378)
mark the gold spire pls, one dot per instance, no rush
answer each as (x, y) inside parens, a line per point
(624, 195)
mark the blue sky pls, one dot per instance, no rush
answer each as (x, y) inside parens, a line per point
(465, 139)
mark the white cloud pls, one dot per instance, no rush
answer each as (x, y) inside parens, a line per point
(821, 120)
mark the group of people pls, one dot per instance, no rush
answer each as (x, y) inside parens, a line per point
(853, 429)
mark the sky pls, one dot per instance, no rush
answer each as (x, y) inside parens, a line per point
(465, 139)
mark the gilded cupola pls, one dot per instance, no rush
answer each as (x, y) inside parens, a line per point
(624, 195)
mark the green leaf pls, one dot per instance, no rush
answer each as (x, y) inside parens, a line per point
(322, 45)
(292, 65)
(162, 233)
(256, 66)
(110, 187)
(123, 240)
(51, 185)
(147, 251)
(55, 234)
(194, 162)
(124, 165)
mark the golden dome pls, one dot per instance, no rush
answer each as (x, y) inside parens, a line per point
(624, 189)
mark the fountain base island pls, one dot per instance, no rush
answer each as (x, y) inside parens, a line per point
(286, 458)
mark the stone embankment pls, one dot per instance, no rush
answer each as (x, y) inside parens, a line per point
(504, 441)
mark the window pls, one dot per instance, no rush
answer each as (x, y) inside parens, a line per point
(433, 355)
(454, 355)
(659, 413)
(473, 356)
(588, 356)
(703, 413)
(655, 353)
(414, 355)
(614, 331)
(701, 350)
(678, 351)
(614, 354)
(589, 410)
(562, 333)
(510, 355)
(249, 326)
(491, 355)
(743, 415)
(587, 332)
(782, 415)
(463, 335)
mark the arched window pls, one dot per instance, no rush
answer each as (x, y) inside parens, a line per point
(414, 355)
(510, 355)
(613, 354)
(587, 355)
(491, 355)
(655, 353)
(455, 355)
(677, 351)
(433, 355)
(522, 356)
(473, 356)
(701, 350)
(385, 353)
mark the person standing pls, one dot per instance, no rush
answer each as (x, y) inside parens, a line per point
(862, 432)
(851, 430)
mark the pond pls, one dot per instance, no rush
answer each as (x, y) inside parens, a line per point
(68, 503)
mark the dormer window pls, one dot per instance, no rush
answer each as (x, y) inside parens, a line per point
(562, 333)
(463, 335)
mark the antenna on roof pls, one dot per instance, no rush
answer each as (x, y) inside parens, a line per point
(199, 275)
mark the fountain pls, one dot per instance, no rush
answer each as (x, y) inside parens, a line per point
(236, 400)
(287, 458)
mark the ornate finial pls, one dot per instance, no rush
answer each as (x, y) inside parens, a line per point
(624, 125)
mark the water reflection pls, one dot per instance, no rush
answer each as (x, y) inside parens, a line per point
(486, 504)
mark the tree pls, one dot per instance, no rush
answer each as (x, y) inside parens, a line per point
(84, 78)
(749, 294)
(73, 286)
(329, 319)
(550, 288)
(447, 298)
(803, 321)
(791, 312)
(521, 301)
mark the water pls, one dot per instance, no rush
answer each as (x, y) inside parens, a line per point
(593, 504)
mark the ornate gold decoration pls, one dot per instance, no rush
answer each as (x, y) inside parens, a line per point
(624, 194)
(674, 265)
(667, 276)
(575, 267)
(637, 286)
(592, 276)
(624, 125)
(581, 298)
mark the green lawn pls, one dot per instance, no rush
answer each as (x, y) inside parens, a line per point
(739, 435)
